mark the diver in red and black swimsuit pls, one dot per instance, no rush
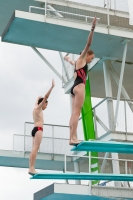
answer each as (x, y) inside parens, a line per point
(81, 77)
(78, 89)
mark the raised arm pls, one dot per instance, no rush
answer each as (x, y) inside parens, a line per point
(47, 95)
(90, 38)
(68, 59)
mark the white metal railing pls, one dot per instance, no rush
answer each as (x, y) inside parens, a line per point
(115, 5)
(55, 139)
(124, 121)
(62, 12)
(127, 167)
(107, 19)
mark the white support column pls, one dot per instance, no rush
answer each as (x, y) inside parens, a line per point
(77, 170)
(51, 67)
(123, 91)
(120, 82)
(108, 90)
(45, 9)
(108, 17)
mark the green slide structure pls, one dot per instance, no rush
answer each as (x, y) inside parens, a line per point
(88, 125)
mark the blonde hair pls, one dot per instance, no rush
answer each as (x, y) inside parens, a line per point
(90, 52)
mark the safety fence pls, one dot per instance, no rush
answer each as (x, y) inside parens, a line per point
(109, 165)
(104, 116)
(113, 13)
(55, 139)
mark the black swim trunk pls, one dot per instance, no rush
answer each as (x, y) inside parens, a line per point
(35, 129)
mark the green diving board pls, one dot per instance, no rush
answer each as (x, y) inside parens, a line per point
(84, 176)
(99, 146)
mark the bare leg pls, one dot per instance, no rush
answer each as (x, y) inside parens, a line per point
(70, 122)
(78, 102)
(33, 138)
(36, 144)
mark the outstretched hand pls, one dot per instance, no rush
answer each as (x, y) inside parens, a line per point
(94, 22)
(53, 83)
(66, 55)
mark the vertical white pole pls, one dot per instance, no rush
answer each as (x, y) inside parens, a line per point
(108, 90)
(115, 6)
(24, 135)
(65, 164)
(52, 142)
(90, 182)
(108, 18)
(45, 9)
(120, 82)
(77, 170)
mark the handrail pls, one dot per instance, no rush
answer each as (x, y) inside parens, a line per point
(42, 137)
(48, 124)
(101, 158)
(111, 98)
(86, 17)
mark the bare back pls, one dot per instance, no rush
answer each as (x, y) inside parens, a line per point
(38, 117)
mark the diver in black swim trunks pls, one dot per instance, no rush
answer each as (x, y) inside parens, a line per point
(37, 132)
(78, 89)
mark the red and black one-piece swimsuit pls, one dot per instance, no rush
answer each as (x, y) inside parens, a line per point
(81, 77)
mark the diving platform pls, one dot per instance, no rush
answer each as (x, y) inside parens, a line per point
(34, 30)
(44, 161)
(100, 146)
(78, 192)
(83, 176)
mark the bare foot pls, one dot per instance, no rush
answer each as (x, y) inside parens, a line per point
(32, 172)
(74, 142)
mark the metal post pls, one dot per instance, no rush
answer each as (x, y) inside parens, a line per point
(95, 123)
(115, 6)
(76, 170)
(126, 167)
(108, 90)
(90, 182)
(44, 59)
(120, 83)
(52, 142)
(125, 182)
(125, 119)
(45, 9)
(13, 143)
(108, 18)
(86, 18)
(24, 135)
(65, 163)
